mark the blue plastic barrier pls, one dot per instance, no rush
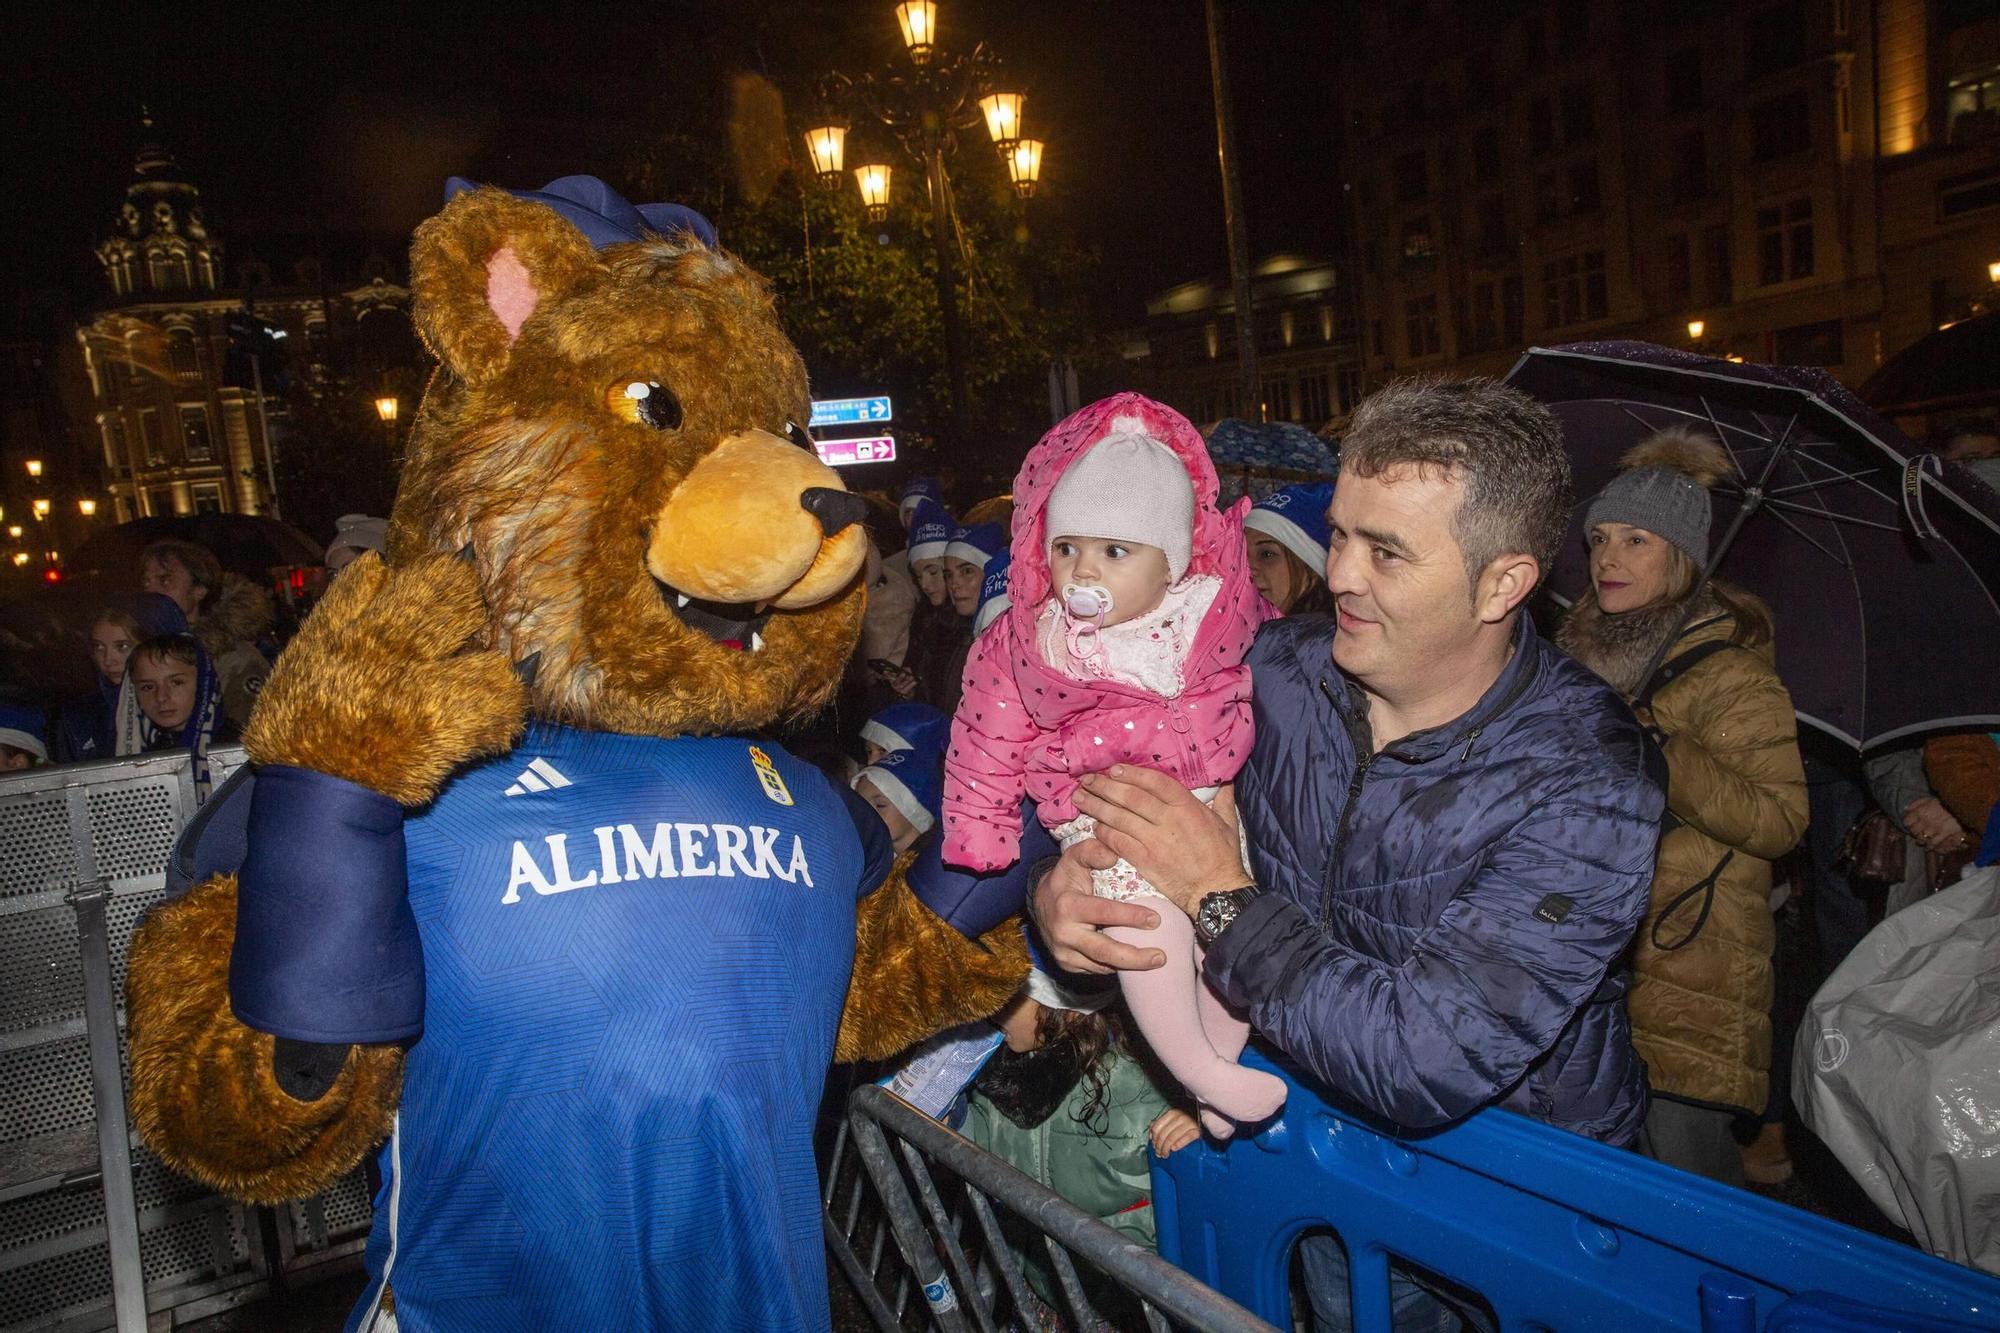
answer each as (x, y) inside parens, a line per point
(1556, 1232)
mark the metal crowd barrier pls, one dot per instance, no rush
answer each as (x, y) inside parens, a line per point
(94, 1230)
(941, 1200)
(1550, 1230)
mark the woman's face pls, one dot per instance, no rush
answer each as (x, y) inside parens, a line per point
(166, 691)
(930, 580)
(110, 644)
(962, 580)
(1270, 571)
(1628, 567)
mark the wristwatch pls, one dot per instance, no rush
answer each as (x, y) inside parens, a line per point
(1217, 911)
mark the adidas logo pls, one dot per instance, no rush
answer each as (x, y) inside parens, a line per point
(539, 775)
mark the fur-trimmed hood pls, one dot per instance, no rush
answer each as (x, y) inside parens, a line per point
(239, 612)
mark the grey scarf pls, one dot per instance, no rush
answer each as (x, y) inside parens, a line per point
(1618, 647)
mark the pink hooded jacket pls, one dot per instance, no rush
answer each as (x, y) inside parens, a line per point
(1025, 726)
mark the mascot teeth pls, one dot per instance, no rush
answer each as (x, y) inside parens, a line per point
(756, 643)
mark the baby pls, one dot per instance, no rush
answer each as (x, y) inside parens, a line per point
(1132, 608)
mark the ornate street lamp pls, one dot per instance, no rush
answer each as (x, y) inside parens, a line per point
(34, 467)
(827, 147)
(918, 20)
(386, 408)
(41, 509)
(14, 531)
(873, 177)
(1695, 329)
(87, 507)
(926, 105)
(1024, 166)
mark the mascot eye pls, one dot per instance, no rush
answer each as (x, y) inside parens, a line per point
(797, 435)
(648, 403)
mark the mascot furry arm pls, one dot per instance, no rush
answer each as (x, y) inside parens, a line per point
(604, 443)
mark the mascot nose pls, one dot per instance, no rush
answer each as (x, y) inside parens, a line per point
(834, 509)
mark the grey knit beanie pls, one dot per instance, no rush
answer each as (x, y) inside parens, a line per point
(1664, 489)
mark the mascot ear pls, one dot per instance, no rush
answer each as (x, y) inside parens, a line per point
(479, 270)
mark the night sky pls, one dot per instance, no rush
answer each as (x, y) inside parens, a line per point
(299, 119)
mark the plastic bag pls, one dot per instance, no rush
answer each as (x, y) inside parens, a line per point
(1897, 1068)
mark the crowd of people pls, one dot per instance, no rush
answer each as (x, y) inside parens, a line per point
(1312, 771)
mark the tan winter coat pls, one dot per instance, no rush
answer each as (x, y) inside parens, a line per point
(1701, 1012)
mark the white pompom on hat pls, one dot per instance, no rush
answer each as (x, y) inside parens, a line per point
(1127, 487)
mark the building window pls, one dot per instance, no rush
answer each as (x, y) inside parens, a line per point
(1420, 327)
(1325, 317)
(1968, 193)
(207, 497)
(149, 435)
(1412, 175)
(1716, 267)
(1972, 107)
(1573, 289)
(1784, 242)
(1211, 338)
(1584, 194)
(1780, 127)
(1579, 114)
(1775, 39)
(1684, 81)
(1541, 126)
(1807, 345)
(160, 502)
(1492, 224)
(1680, 267)
(1486, 155)
(1315, 398)
(194, 434)
(114, 444)
(1689, 165)
(1419, 241)
(180, 354)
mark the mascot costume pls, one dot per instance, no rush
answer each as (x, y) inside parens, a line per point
(521, 895)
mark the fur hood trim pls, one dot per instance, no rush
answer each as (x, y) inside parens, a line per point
(1683, 449)
(1618, 647)
(240, 612)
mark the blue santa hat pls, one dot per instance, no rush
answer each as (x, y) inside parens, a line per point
(913, 780)
(978, 544)
(993, 598)
(602, 214)
(930, 530)
(1295, 518)
(910, 725)
(919, 488)
(24, 728)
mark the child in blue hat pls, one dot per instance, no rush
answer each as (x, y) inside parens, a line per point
(910, 725)
(1287, 534)
(906, 788)
(23, 737)
(993, 598)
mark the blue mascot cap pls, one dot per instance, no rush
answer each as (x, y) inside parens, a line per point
(930, 530)
(919, 488)
(913, 780)
(24, 728)
(993, 597)
(910, 725)
(1295, 518)
(978, 544)
(602, 214)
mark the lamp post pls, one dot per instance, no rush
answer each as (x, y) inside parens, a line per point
(925, 105)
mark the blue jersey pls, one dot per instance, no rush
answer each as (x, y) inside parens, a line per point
(635, 954)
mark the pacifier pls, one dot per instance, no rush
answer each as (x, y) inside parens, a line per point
(1086, 601)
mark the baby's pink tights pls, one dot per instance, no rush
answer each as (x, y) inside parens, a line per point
(1188, 1027)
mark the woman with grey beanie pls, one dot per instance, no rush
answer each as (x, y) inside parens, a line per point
(1736, 797)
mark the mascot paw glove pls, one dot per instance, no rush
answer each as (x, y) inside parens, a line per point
(326, 945)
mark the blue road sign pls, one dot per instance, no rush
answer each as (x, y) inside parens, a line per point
(851, 411)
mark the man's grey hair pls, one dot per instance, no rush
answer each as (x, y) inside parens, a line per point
(1504, 448)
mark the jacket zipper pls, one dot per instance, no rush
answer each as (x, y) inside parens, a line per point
(1364, 759)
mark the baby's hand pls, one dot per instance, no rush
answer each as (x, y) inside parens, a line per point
(1171, 1131)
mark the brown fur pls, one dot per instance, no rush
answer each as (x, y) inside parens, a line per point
(914, 975)
(1683, 449)
(203, 1096)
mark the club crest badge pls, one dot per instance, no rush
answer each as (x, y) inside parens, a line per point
(767, 775)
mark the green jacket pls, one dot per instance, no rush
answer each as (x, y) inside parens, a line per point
(1102, 1167)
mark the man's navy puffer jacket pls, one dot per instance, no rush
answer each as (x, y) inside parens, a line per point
(1442, 923)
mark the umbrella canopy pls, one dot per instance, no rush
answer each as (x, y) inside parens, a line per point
(1881, 563)
(1954, 369)
(246, 544)
(1276, 446)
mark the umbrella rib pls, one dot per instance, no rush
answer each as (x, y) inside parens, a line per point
(1810, 540)
(1831, 516)
(1835, 479)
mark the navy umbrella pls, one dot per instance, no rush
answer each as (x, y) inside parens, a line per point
(1882, 563)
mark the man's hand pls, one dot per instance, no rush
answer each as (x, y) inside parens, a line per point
(1932, 825)
(1186, 850)
(1070, 917)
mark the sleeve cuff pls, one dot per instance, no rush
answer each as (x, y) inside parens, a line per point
(1246, 963)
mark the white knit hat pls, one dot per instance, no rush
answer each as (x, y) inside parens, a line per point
(1127, 487)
